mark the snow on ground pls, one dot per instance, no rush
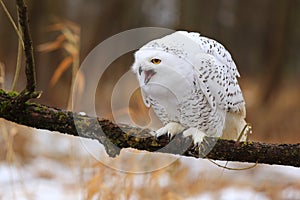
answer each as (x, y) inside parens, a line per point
(46, 178)
(25, 183)
(231, 194)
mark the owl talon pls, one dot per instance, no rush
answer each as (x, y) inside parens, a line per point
(170, 136)
(171, 129)
(196, 134)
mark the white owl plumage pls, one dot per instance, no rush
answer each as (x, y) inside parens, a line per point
(191, 83)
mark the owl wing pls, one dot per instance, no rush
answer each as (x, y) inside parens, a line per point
(217, 75)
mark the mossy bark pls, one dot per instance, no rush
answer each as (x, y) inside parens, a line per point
(115, 137)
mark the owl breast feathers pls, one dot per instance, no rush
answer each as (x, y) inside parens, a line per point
(191, 83)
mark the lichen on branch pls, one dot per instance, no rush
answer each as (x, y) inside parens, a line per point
(116, 137)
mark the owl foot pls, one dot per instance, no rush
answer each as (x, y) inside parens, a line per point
(171, 129)
(196, 134)
(202, 143)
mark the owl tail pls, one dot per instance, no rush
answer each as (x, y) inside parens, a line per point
(236, 128)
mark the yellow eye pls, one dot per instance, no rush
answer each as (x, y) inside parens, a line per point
(155, 61)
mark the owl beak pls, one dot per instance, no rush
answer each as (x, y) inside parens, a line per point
(148, 75)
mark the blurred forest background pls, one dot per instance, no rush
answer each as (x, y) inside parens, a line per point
(263, 37)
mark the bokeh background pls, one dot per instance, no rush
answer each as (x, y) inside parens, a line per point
(263, 38)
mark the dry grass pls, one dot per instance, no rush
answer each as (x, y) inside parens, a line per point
(14, 142)
(178, 181)
(108, 183)
(276, 121)
(68, 40)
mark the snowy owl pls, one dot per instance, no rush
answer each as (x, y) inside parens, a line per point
(191, 83)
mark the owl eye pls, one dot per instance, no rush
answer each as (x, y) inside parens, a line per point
(155, 61)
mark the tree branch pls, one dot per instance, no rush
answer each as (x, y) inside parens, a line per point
(115, 137)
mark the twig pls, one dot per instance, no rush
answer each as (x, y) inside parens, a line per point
(115, 137)
(29, 92)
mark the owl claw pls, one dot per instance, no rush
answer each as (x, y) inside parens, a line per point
(196, 134)
(171, 129)
(169, 134)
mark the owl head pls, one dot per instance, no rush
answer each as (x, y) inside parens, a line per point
(166, 58)
(164, 66)
(157, 66)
